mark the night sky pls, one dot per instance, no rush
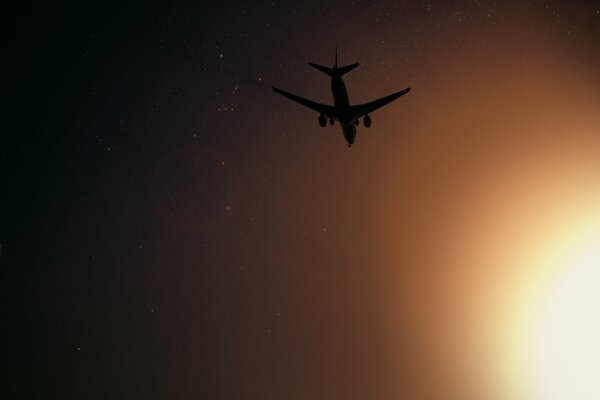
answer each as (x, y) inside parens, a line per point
(171, 228)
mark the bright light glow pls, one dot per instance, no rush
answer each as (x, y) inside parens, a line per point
(550, 347)
(566, 347)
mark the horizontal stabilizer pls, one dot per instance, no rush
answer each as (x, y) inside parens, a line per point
(344, 70)
(334, 71)
(328, 71)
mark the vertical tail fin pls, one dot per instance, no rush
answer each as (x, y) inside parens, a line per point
(335, 65)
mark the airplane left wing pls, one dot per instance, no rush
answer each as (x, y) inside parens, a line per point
(361, 109)
(318, 107)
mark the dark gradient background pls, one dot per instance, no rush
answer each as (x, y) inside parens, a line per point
(172, 228)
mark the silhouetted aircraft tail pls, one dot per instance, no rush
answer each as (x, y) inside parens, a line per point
(335, 71)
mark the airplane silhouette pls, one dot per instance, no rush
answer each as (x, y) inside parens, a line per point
(342, 111)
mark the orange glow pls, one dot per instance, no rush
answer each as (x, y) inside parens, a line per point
(499, 196)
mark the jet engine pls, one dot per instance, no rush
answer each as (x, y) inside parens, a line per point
(367, 121)
(322, 121)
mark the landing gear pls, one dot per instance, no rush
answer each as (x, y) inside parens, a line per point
(331, 121)
(322, 121)
(356, 122)
(367, 121)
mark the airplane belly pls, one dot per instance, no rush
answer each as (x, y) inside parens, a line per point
(349, 132)
(340, 98)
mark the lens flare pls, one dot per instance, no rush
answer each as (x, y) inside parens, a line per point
(566, 347)
(554, 351)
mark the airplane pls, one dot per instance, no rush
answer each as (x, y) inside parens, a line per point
(347, 115)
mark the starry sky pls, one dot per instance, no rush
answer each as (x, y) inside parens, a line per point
(172, 228)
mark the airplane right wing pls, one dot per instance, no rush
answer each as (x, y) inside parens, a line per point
(318, 107)
(361, 109)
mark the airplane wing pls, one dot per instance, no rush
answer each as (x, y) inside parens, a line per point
(320, 108)
(361, 109)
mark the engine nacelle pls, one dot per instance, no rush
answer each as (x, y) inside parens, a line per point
(367, 121)
(322, 121)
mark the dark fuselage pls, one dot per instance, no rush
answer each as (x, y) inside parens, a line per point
(342, 105)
